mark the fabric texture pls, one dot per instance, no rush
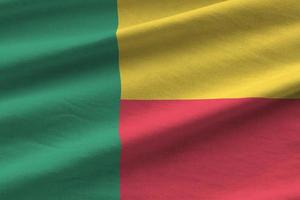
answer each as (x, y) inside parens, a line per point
(59, 100)
(149, 99)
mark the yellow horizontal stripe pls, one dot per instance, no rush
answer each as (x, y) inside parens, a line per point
(170, 49)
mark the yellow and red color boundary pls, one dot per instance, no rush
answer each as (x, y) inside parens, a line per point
(210, 103)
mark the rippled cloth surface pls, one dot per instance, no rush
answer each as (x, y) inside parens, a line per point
(152, 99)
(59, 100)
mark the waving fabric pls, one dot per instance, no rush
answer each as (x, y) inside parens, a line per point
(153, 99)
(59, 100)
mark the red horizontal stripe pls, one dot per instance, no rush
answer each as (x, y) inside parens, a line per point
(210, 149)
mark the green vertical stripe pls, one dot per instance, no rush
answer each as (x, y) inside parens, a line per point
(59, 100)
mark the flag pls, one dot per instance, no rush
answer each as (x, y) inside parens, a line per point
(149, 100)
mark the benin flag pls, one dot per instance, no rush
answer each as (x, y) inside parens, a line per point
(149, 99)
